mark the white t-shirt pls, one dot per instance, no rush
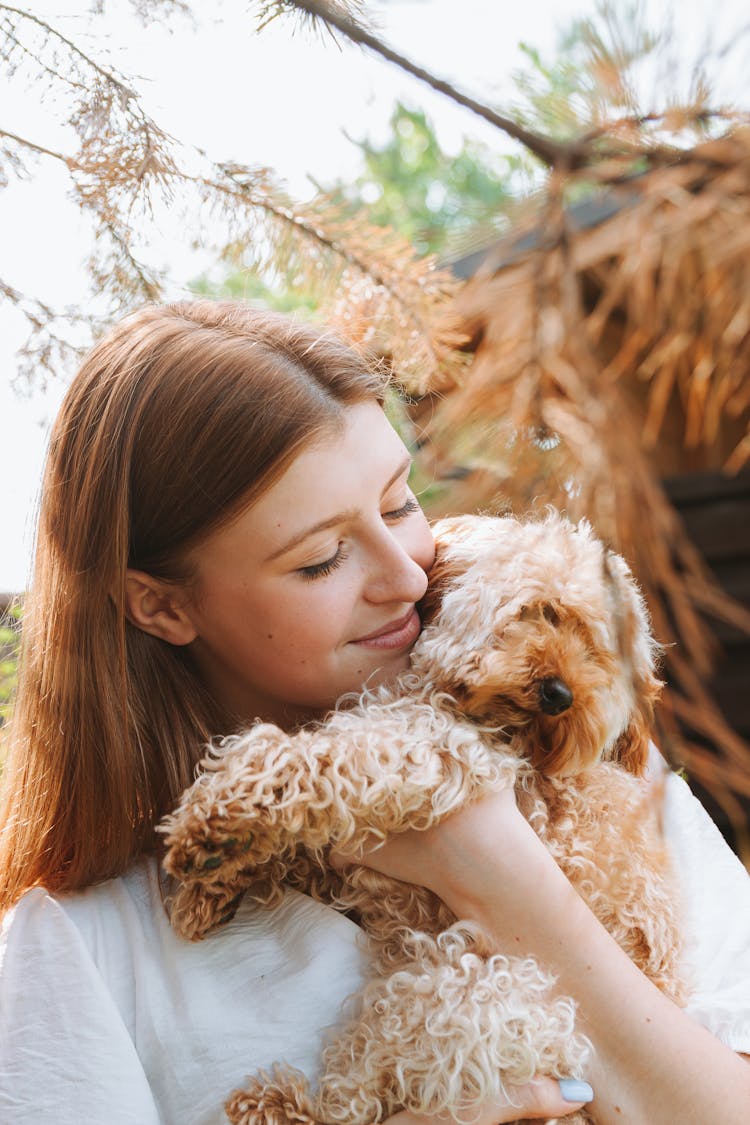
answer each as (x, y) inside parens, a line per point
(108, 1018)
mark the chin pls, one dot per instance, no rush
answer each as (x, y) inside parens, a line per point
(386, 671)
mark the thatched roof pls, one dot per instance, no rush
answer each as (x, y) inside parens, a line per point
(612, 349)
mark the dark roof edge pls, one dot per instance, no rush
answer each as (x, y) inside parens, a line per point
(502, 252)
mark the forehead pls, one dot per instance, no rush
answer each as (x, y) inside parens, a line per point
(337, 469)
(341, 470)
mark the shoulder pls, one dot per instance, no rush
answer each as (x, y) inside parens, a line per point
(66, 1053)
(47, 921)
(704, 859)
(124, 920)
(82, 944)
(95, 984)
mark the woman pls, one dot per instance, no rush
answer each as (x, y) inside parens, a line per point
(227, 532)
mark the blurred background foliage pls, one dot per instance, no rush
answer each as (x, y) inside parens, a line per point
(10, 631)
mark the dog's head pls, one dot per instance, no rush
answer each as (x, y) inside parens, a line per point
(538, 628)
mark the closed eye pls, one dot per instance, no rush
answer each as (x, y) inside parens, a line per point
(319, 570)
(406, 509)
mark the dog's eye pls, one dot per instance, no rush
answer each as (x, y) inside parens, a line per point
(550, 614)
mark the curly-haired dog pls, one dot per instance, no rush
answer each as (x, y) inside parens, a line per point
(535, 669)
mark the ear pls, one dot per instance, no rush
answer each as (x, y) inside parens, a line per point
(631, 749)
(157, 608)
(639, 652)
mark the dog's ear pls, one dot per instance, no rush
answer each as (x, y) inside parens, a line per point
(446, 567)
(631, 748)
(639, 654)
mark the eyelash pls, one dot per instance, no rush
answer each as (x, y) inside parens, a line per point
(406, 509)
(320, 570)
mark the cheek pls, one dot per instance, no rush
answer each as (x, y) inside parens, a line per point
(305, 619)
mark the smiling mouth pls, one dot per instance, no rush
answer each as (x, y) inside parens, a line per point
(396, 634)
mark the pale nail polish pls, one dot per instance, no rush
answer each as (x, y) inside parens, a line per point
(575, 1090)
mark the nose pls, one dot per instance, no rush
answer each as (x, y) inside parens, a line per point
(393, 574)
(554, 696)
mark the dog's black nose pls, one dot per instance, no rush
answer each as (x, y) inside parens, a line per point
(554, 696)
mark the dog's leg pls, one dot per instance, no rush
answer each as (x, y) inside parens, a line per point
(195, 908)
(346, 783)
(449, 1030)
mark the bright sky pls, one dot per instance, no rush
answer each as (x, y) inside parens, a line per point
(275, 100)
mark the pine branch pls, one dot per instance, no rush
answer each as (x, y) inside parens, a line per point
(567, 156)
(416, 291)
(329, 231)
(108, 76)
(550, 152)
(7, 28)
(45, 348)
(40, 150)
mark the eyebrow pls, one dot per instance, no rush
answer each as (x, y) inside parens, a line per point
(340, 517)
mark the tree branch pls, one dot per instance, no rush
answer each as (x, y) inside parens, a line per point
(568, 156)
(46, 27)
(309, 228)
(38, 148)
(549, 151)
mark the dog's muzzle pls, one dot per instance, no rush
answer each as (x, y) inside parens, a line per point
(554, 696)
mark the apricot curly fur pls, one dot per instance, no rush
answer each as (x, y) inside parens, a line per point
(445, 1020)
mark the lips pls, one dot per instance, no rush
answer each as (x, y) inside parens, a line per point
(396, 634)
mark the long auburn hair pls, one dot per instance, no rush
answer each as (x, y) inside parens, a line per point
(180, 417)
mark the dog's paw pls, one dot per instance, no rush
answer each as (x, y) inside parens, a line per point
(195, 909)
(203, 849)
(280, 1098)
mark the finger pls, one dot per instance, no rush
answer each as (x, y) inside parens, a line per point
(548, 1097)
(542, 1098)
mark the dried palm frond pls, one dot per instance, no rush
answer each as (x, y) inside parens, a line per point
(607, 357)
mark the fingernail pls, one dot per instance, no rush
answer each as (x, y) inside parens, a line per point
(575, 1090)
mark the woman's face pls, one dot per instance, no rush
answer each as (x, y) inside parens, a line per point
(310, 593)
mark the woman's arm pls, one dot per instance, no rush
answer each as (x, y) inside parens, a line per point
(652, 1062)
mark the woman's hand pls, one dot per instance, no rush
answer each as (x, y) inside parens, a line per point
(481, 852)
(542, 1098)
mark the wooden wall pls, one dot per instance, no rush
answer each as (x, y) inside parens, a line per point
(716, 512)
